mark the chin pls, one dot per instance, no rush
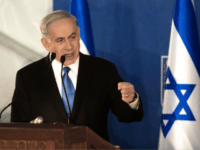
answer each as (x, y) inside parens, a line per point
(69, 63)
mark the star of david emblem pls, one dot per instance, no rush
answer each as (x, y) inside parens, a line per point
(182, 105)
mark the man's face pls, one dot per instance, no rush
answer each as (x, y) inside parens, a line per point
(64, 39)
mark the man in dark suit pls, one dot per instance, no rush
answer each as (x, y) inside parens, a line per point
(96, 83)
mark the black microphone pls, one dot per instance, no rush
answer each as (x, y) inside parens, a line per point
(53, 56)
(62, 59)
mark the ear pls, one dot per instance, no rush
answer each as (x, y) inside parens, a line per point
(46, 44)
(79, 32)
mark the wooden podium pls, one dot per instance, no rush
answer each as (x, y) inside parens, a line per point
(49, 136)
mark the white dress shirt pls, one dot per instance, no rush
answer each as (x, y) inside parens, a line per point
(73, 74)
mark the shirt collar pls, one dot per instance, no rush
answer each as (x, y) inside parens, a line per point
(57, 66)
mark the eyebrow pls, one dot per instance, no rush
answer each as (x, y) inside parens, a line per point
(60, 38)
(74, 33)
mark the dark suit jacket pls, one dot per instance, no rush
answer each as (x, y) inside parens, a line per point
(96, 92)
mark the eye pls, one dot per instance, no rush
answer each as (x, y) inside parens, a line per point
(72, 37)
(59, 40)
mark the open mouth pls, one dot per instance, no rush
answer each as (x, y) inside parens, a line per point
(69, 55)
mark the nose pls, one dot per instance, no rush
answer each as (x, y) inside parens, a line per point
(68, 45)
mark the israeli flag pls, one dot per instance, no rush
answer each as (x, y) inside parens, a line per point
(180, 124)
(79, 8)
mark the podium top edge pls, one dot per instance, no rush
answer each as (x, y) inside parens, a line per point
(35, 126)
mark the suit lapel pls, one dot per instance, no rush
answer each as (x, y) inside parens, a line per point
(52, 91)
(83, 83)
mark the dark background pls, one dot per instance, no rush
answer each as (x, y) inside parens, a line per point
(134, 34)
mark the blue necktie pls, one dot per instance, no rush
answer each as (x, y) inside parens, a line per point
(69, 90)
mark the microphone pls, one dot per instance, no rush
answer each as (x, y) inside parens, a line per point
(53, 56)
(37, 120)
(62, 59)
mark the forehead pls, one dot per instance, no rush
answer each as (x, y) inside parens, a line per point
(64, 26)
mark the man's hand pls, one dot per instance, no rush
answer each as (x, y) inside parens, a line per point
(127, 91)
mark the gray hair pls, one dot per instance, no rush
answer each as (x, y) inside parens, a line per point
(55, 15)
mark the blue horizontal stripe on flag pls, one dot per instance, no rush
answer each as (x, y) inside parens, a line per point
(185, 23)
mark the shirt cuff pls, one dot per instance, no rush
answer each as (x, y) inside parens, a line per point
(135, 104)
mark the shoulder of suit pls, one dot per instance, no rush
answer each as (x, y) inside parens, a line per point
(34, 65)
(97, 61)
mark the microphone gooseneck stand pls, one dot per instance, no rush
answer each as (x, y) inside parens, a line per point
(62, 59)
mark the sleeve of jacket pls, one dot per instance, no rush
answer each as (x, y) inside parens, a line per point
(120, 108)
(20, 110)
